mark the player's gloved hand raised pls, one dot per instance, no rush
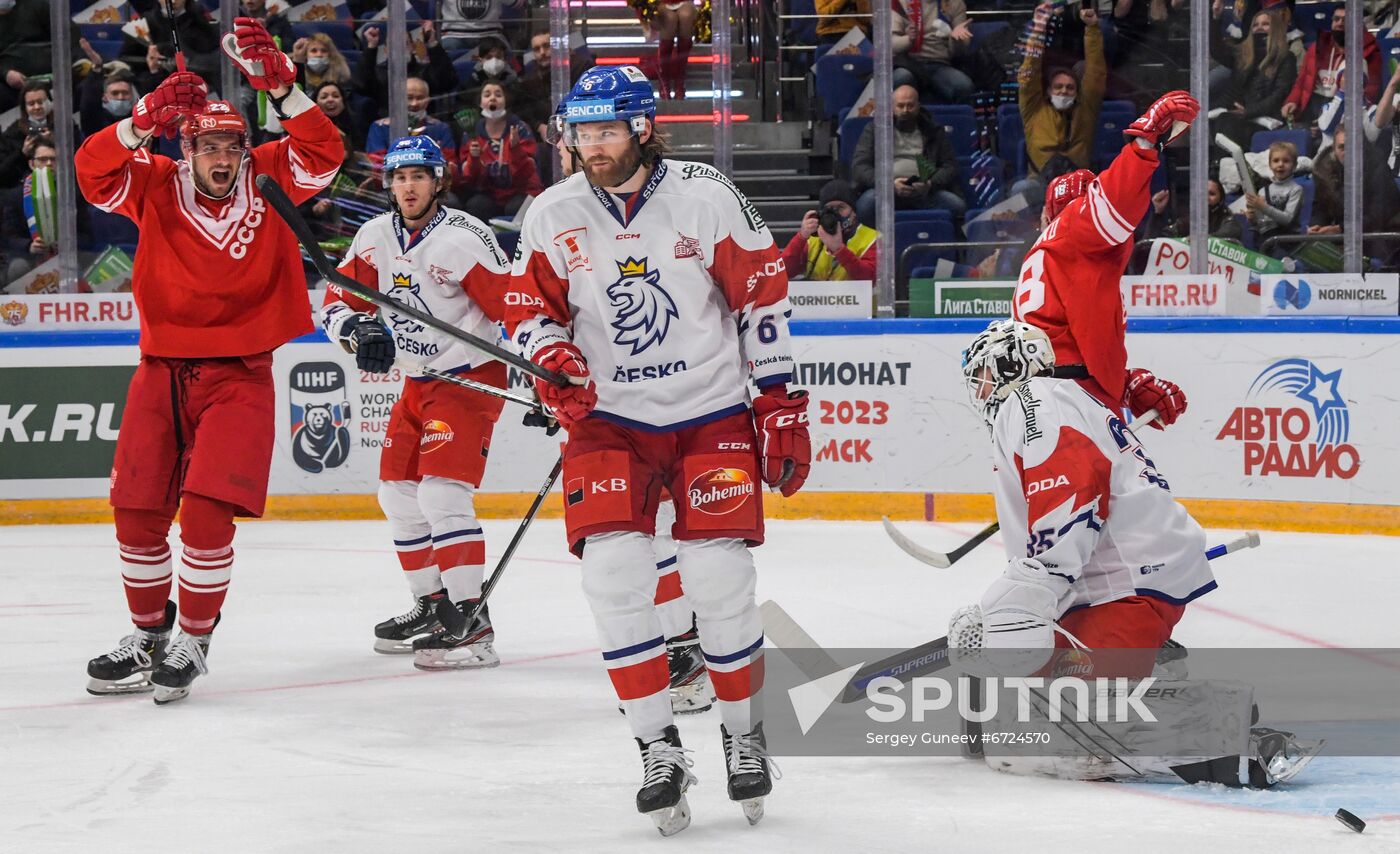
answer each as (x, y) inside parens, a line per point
(251, 47)
(1159, 125)
(181, 94)
(1147, 391)
(371, 343)
(785, 447)
(571, 403)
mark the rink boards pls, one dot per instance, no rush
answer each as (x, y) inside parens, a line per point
(1293, 410)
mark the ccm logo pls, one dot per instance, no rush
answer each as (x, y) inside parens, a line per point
(783, 422)
(734, 446)
(517, 298)
(612, 484)
(626, 236)
(1049, 483)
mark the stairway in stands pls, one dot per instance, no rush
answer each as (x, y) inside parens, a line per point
(774, 162)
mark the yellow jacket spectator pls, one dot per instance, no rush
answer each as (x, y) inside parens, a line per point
(1060, 113)
(838, 16)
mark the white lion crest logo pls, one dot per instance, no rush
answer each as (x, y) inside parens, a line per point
(644, 309)
(405, 290)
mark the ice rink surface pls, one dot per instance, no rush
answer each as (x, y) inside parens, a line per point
(302, 739)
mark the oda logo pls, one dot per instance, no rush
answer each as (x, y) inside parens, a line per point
(1287, 293)
(1295, 424)
(320, 410)
(720, 491)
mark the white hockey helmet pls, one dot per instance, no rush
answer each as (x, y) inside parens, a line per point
(1001, 358)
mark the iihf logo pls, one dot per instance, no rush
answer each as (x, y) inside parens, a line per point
(1297, 424)
(644, 309)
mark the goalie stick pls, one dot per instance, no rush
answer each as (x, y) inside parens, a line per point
(943, 560)
(815, 662)
(277, 197)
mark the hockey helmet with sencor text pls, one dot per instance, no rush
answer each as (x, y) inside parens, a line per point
(414, 151)
(610, 93)
(1000, 359)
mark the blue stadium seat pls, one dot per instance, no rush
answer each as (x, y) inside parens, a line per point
(803, 30)
(1119, 109)
(983, 29)
(352, 58)
(932, 231)
(464, 66)
(1298, 136)
(931, 215)
(1011, 139)
(1390, 55)
(1305, 209)
(840, 80)
(101, 32)
(1108, 136)
(1313, 18)
(341, 33)
(983, 179)
(988, 230)
(960, 123)
(108, 49)
(849, 134)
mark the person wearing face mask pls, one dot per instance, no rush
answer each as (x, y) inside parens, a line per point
(925, 164)
(1317, 78)
(847, 252)
(319, 61)
(419, 122)
(427, 61)
(1262, 74)
(16, 144)
(493, 64)
(105, 96)
(1061, 113)
(498, 160)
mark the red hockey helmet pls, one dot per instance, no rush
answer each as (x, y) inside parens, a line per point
(1065, 189)
(218, 117)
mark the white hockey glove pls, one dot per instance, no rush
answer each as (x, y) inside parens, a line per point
(1012, 631)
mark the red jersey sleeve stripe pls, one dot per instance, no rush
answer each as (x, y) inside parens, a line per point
(1107, 220)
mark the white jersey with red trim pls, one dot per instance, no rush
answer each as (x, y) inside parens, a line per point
(451, 268)
(1076, 491)
(669, 294)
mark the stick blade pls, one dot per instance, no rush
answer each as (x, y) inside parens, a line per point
(913, 549)
(784, 632)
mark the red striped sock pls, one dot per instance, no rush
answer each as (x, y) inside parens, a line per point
(204, 577)
(146, 576)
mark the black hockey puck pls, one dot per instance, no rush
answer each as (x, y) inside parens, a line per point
(1351, 821)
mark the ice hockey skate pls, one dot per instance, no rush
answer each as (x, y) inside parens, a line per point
(690, 689)
(395, 635)
(442, 650)
(751, 770)
(184, 662)
(1278, 756)
(127, 669)
(665, 778)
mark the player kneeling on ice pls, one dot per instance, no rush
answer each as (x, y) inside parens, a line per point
(218, 285)
(1101, 564)
(447, 263)
(653, 284)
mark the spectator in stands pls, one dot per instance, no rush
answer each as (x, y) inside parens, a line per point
(847, 252)
(1380, 203)
(1162, 219)
(18, 140)
(419, 122)
(1277, 208)
(330, 97)
(466, 23)
(23, 249)
(428, 62)
(276, 23)
(1061, 113)
(927, 33)
(925, 165)
(498, 160)
(319, 61)
(1317, 79)
(26, 46)
(1262, 74)
(493, 64)
(1387, 114)
(153, 59)
(1141, 30)
(838, 16)
(105, 96)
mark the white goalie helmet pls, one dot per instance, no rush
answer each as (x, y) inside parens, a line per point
(1001, 358)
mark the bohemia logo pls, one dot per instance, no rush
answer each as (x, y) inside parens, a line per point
(1304, 433)
(435, 434)
(720, 491)
(644, 309)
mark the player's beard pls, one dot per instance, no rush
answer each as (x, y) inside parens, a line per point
(613, 172)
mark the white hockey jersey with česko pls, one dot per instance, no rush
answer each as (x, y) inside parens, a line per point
(1076, 491)
(670, 294)
(451, 268)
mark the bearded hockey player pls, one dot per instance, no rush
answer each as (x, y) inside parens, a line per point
(1069, 282)
(447, 263)
(653, 284)
(1082, 509)
(218, 285)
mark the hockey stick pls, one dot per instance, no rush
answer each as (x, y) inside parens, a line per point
(175, 37)
(943, 560)
(527, 402)
(277, 197)
(455, 621)
(815, 662)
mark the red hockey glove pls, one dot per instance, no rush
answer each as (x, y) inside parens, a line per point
(780, 417)
(1147, 391)
(1166, 119)
(181, 94)
(571, 403)
(257, 55)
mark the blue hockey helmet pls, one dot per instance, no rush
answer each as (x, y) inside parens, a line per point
(606, 93)
(414, 151)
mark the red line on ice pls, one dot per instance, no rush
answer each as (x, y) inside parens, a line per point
(1298, 636)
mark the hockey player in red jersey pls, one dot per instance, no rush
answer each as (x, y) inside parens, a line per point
(1101, 564)
(447, 263)
(656, 286)
(1069, 282)
(218, 285)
